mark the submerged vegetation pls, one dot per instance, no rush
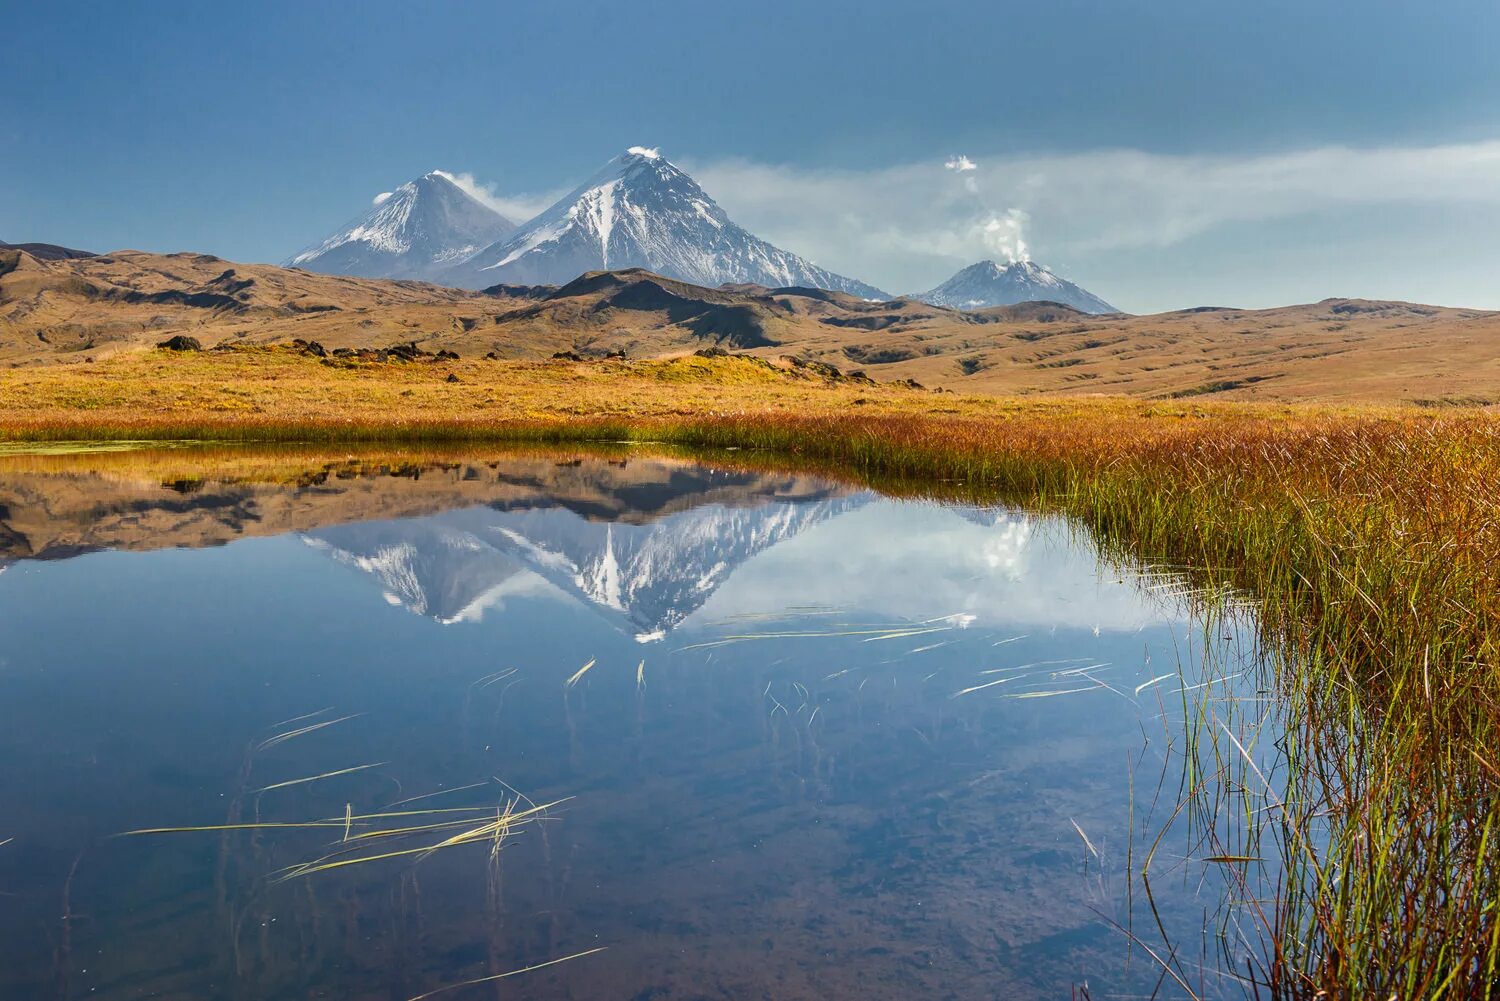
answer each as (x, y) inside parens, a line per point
(1368, 541)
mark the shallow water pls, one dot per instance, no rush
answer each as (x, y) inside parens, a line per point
(830, 744)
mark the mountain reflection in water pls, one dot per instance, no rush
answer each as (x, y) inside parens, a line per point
(649, 575)
(824, 743)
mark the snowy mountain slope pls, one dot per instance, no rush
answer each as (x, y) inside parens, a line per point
(416, 231)
(641, 211)
(988, 284)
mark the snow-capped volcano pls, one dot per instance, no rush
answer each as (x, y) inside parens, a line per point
(988, 284)
(641, 211)
(416, 231)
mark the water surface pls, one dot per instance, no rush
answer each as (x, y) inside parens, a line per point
(827, 744)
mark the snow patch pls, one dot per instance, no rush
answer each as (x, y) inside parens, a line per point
(598, 207)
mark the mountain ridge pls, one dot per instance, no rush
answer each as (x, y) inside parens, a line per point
(67, 312)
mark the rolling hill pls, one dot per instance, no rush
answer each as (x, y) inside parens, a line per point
(46, 251)
(78, 310)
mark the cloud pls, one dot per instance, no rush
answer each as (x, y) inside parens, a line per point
(916, 561)
(908, 226)
(381, 198)
(1004, 233)
(516, 207)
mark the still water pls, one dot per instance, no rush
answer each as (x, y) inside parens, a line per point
(790, 738)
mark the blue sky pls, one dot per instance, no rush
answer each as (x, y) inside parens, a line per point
(1163, 153)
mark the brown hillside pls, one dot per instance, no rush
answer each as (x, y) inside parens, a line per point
(84, 309)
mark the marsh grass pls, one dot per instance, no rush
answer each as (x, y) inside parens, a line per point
(1357, 860)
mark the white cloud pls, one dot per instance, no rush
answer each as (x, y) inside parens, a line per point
(908, 226)
(381, 198)
(516, 207)
(916, 560)
(1004, 234)
(960, 164)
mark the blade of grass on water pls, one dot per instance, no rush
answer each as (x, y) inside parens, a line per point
(1159, 678)
(512, 973)
(432, 795)
(299, 719)
(1087, 843)
(581, 672)
(315, 778)
(1057, 691)
(978, 688)
(231, 827)
(283, 737)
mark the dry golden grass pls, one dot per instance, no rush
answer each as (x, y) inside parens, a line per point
(271, 393)
(242, 392)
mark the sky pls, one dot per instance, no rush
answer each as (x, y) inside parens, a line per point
(1162, 153)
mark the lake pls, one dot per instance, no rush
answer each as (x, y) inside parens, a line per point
(746, 732)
